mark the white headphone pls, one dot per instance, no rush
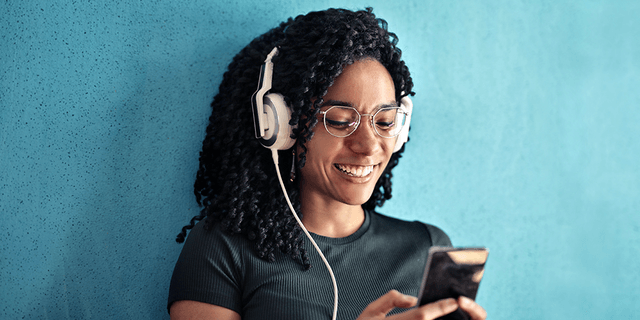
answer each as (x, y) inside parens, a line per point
(271, 115)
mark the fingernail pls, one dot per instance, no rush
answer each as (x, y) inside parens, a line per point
(409, 297)
(464, 300)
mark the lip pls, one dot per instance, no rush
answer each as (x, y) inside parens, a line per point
(359, 168)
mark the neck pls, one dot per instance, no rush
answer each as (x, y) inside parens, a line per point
(333, 220)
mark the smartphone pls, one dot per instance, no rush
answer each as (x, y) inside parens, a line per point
(451, 273)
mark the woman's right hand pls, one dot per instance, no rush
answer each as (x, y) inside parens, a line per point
(379, 308)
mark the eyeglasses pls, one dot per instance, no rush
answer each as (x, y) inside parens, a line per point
(342, 121)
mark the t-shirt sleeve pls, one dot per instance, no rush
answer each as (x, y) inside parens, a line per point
(208, 269)
(438, 237)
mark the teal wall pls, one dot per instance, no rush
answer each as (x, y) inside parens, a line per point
(525, 139)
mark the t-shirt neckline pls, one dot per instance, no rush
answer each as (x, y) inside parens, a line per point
(350, 238)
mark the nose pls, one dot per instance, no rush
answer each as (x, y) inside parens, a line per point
(365, 140)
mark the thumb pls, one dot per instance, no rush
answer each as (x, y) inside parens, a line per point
(383, 305)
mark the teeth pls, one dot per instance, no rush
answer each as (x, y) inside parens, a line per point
(355, 171)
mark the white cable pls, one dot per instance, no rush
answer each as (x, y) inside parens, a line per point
(274, 154)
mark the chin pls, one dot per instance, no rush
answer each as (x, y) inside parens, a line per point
(357, 199)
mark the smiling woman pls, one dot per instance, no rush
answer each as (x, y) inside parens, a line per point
(247, 257)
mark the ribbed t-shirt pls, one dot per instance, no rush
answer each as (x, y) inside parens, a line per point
(385, 253)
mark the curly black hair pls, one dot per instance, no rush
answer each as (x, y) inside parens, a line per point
(236, 183)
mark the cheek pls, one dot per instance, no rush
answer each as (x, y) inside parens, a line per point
(390, 144)
(322, 147)
(387, 145)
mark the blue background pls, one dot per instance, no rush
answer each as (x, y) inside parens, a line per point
(524, 140)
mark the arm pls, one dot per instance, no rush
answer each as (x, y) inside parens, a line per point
(187, 309)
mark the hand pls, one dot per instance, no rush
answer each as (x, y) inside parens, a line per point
(379, 308)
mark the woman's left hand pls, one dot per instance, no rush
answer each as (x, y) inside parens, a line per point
(393, 299)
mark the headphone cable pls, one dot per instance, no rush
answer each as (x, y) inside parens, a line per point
(274, 154)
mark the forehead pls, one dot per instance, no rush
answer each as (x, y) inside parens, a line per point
(365, 85)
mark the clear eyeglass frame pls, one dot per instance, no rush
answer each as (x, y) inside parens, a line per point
(355, 124)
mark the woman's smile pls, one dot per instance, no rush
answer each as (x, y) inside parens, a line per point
(357, 171)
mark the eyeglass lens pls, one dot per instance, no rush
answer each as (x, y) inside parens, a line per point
(342, 121)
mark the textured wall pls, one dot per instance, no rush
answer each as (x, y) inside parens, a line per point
(524, 139)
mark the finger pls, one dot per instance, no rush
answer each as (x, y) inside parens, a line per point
(438, 309)
(405, 302)
(475, 311)
(383, 305)
(429, 311)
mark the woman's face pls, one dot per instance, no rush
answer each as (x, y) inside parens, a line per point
(347, 169)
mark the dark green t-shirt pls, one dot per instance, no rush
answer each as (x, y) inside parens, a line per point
(384, 254)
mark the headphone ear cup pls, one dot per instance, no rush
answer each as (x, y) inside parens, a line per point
(278, 134)
(407, 105)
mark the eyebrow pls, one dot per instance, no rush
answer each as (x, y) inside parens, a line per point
(347, 104)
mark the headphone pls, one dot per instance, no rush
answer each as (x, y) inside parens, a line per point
(271, 115)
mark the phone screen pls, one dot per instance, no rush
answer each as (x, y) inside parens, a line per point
(451, 273)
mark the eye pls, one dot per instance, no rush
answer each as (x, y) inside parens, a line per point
(341, 118)
(385, 125)
(340, 124)
(385, 119)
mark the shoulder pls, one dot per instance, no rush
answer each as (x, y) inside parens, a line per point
(213, 248)
(204, 241)
(204, 232)
(438, 237)
(210, 267)
(415, 229)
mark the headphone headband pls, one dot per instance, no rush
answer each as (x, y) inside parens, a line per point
(257, 99)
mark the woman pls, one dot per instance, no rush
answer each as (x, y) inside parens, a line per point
(341, 77)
